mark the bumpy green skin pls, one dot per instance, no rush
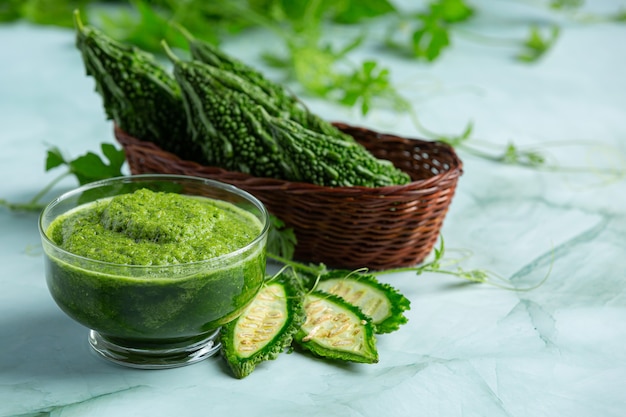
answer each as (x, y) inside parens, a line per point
(221, 126)
(398, 302)
(285, 100)
(329, 161)
(243, 366)
(138, 94)
(368, 353)
(239, 127)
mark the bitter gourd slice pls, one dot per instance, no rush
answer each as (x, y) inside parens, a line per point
(264, 329)
(336, 329)
(384, 304)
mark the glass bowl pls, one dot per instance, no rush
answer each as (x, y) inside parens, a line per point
(155, 316)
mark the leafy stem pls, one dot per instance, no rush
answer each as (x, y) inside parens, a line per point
(527, 157)
(436, 265)
(509, 155)
(310, 269)
(536, 44)
(35, 203)
(86, 168)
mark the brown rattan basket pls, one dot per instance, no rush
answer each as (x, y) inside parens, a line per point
(343, 227)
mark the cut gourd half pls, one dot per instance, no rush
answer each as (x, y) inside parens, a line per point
(336, 329)
(384, 304)
(264, 329)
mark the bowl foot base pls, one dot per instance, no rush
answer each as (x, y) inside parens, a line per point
(146, 356)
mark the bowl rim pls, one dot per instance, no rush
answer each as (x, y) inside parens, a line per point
(218, 260)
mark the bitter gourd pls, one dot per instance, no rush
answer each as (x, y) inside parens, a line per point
(283, 98)
(139, 95)
(265, 328)
(381, 302)
(325, 160)
(221, 126)
(333, 314)
(336, 329)
(239, 127)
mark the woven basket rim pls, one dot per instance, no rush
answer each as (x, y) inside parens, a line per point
(268, 183)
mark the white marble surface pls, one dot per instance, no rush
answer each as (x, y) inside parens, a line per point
(468, 350)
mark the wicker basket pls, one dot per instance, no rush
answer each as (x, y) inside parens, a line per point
(343, 227)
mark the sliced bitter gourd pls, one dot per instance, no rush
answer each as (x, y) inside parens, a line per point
(336, 329)
(381, 302)
(264, 329)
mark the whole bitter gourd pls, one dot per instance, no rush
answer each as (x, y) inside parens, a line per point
(327, 160)
(220, 124)
(139, 95)
(212, 55)
(239, 127)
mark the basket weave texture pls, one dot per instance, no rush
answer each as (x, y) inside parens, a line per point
(343, 227)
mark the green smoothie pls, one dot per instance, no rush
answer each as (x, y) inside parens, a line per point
(153, 267)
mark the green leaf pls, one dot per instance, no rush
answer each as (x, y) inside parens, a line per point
(515, 156)
(299, 9)
(301, 16)
(115, 156)
(536, 44)
(619, 16)
(54, 158)
(430, 29)
(10, 10)
(566, 4)
(430, 39)
(281, 240)
(354, 11)
(349, 47)
(144, 26)
(51, 12)
(313, 67)
(369, 84)
(452, 11)
(90, 167)
(457, 140)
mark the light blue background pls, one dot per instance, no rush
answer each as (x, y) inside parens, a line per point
(468, 350)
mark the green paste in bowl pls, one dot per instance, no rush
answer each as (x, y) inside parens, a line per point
(154, 267)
